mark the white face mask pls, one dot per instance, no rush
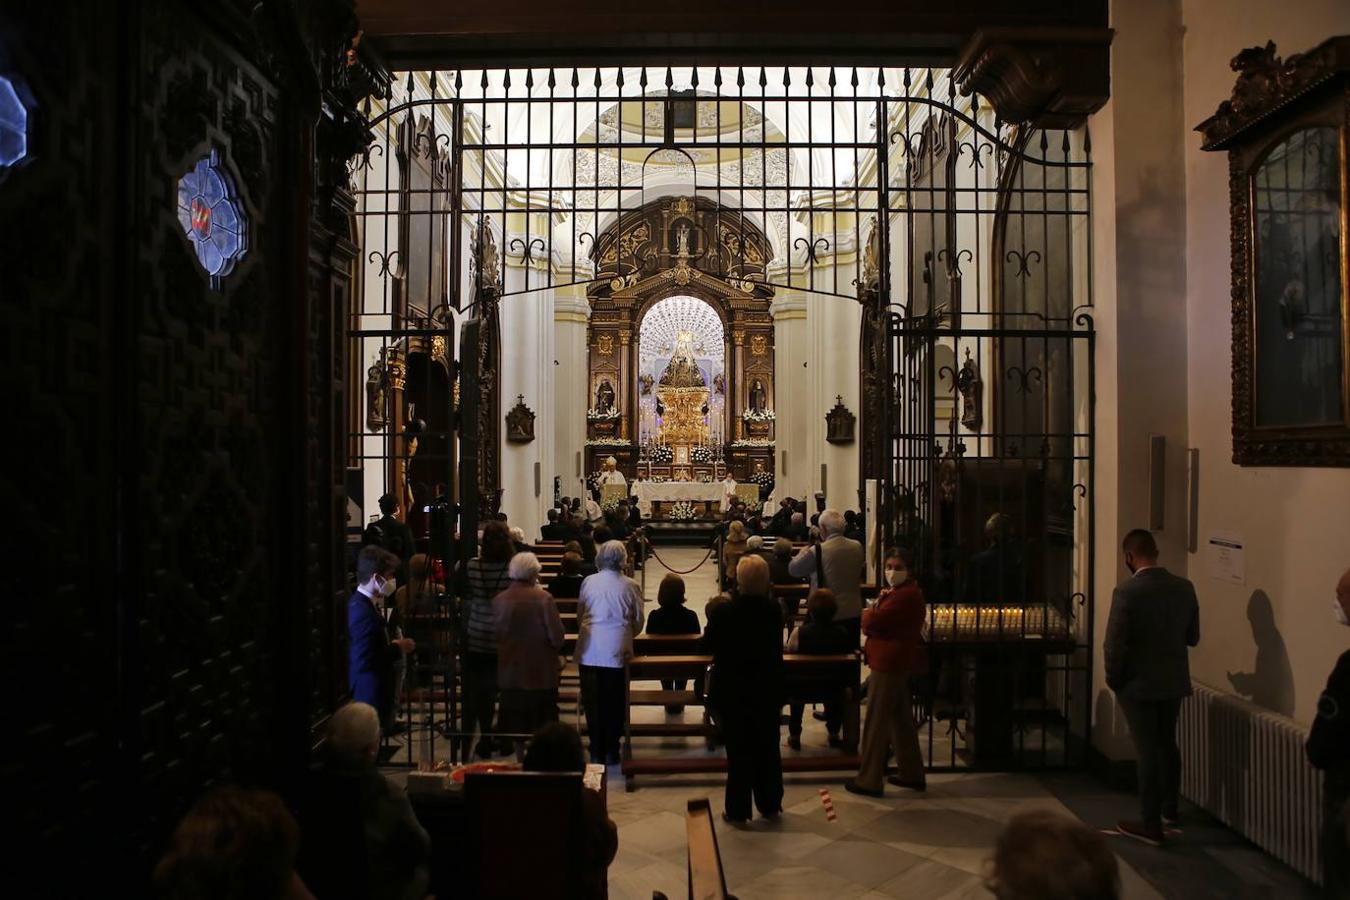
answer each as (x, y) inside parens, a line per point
(1340, 611)
(896, 577)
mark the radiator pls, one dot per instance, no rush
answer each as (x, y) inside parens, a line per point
(1246, 766)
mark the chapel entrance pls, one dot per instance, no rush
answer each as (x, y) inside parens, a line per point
(656, 265)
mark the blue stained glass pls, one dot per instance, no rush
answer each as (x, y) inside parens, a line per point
(212, 217)
(13, 124)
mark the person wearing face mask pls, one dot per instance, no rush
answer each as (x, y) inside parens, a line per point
(894, 651)
(1329, 750)
(1154, 619)
(371, 653)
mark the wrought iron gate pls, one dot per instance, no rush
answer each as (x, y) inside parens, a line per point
(964, 240)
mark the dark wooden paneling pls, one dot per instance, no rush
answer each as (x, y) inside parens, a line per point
(174, 621)
(414, 32)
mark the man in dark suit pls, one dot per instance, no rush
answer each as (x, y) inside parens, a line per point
(556, 530)
(397, 536)
(371, 654)
(1329, 750)
(1154, 619)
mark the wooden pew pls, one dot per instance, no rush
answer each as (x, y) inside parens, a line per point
(707, 881)
(812, 678)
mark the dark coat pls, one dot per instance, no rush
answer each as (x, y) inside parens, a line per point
(1154, 619)
(370, 655)
(745, 639)
(1329, 740)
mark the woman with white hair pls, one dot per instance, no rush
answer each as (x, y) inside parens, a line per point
(529, 637)
(609, 614)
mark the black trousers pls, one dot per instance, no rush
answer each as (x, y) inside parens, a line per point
(480, 693)
(1153, 727)
(602, 694)
(754, 766)
(834, 716)
(1335, 848)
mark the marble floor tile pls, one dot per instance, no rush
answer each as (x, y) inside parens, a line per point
(804, 882)
(862, 860)
(930, 880)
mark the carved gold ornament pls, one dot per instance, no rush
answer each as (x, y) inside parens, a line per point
(604, 344)
(759, 344)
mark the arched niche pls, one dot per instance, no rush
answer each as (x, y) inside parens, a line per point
(681, 246)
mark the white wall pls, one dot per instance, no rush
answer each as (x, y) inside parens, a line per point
(1296, 521)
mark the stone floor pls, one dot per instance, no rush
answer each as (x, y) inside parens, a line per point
(932, 846)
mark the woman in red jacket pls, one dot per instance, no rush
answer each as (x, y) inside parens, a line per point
(894, 651)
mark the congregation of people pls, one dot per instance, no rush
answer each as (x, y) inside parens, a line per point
(239, 843)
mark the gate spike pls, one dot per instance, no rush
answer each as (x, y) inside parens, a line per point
(831, 80)
(763, 78)
(576, 79)
(810, 78)
(717, 78)
(1087, 140)
(881, 78)
(974, 104)
(853, 79)
(484, 83)
(597, 79)
(642, 79)
(619, 80)
(740, 77)
(906, 79)
(1064, 145)
(459, 81)
(432, 80)
(410, 83)
(670, 79)
(552, 81)
(693, 82)
(529, 80)
(1045, 141)
(787, 79)
(506, 80)
(928, 82)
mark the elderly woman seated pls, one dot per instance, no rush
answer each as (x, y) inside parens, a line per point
(357, 827)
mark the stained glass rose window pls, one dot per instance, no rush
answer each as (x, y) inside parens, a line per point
(213, 217)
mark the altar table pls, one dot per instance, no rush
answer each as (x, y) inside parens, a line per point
(667, 492)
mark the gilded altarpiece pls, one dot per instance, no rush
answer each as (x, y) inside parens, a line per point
(690, 248)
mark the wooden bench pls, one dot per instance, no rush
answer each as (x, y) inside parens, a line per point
(808, 678)
(707, 881)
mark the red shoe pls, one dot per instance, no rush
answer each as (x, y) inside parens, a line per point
(1141, 832)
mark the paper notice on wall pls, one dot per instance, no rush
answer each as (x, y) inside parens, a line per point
(1226, 557)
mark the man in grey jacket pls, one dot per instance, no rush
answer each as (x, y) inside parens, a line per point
(841, 561)
(1154, 620)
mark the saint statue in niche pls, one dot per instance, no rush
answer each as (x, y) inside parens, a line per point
(682, 241)
(719, 384)
(604, 397)
(757, 396)
(970, 387)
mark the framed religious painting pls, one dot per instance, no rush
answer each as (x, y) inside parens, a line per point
(1286, 131)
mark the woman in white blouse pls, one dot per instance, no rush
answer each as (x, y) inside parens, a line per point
(609, 614)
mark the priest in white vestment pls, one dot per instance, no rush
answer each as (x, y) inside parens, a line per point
(610, 474)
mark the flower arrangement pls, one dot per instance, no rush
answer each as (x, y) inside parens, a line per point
(601, 415)
(681, 511)
(611, 504)
(761, 478)
(661, 454)
(758, 415)
(752, 442)
(701, 454)
(606, 442)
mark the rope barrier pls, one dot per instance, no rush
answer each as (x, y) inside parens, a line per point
(656, 556)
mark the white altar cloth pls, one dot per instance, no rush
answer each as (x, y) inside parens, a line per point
(670, 491)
